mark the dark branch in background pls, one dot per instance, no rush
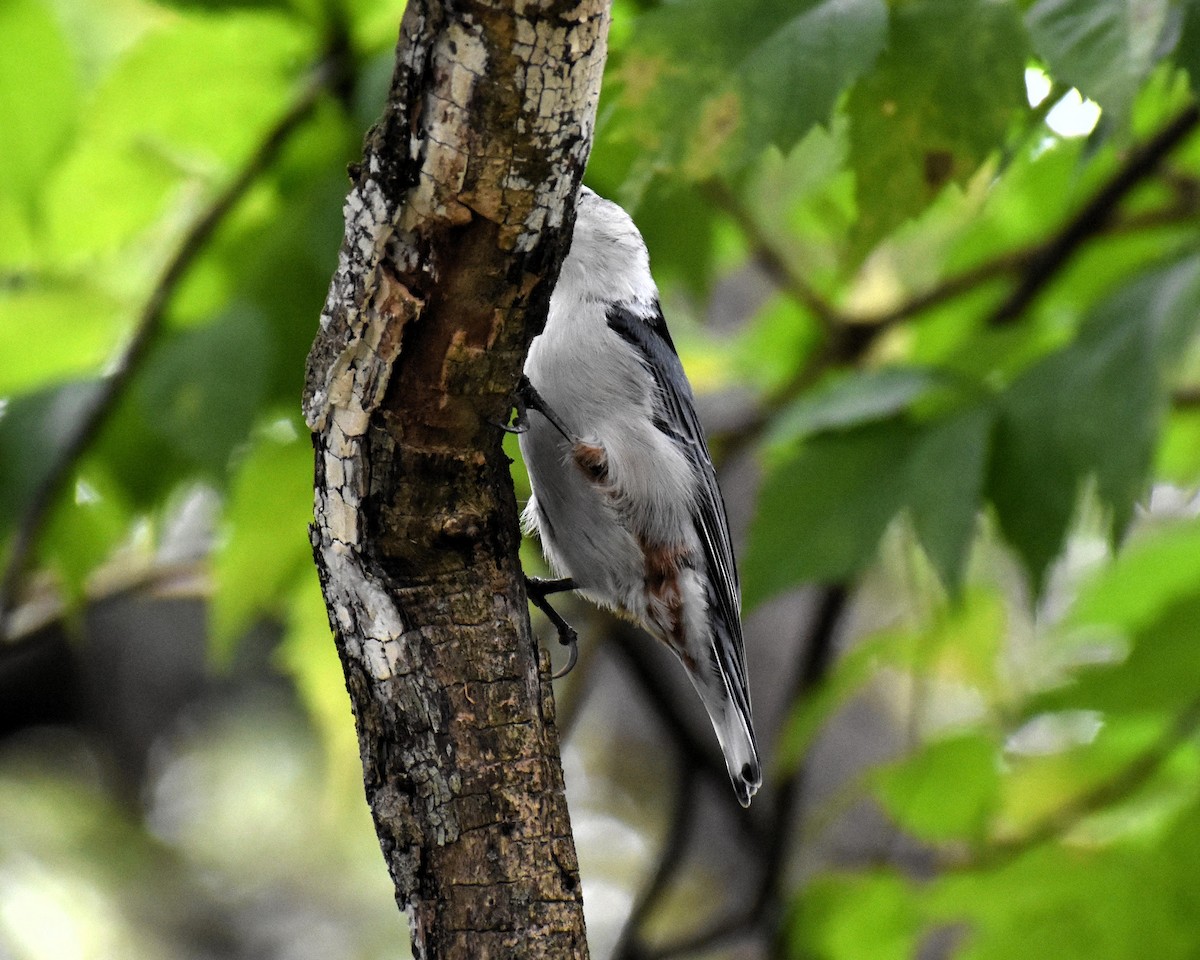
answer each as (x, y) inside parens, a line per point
(1186, 398)
(849, 336)
(771, 838)
(149, 323)
(692, 747)
(670, 859)
(1096, 214)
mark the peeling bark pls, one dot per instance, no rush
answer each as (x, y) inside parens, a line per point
(455, 228)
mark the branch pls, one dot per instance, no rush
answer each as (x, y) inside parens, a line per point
(670, 858)
(146, 329)
(849, 336)
(763, 912)
(456, 225)
(1096, 214)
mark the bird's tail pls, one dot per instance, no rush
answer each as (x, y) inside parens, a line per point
(725, 697)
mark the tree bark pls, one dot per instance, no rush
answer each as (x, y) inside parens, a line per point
(456, 225)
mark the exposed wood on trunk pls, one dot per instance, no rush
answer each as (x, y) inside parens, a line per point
(455, 228)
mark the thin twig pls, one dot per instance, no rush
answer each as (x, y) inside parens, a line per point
(813, 670)
(149, 323)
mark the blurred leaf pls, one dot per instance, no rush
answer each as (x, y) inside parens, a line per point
(908, 137)
(1145, 578)
(1187, 50)
(1178, 459)
(1040, 784)
(84, 530)
(83, 323)
(821, 512)
(964, 643)
(871, 916)
(266, 542)
(34, 429)
(1103, 47)
(1106, 904)
(146, 150)
(851, 400)
(38, 96)
(201, 388)
(1090, 411)
(218, 6)
(767, 351)
(706, 84)
(947, 791)
(946, 477)
(823, 508)
(1157, 675)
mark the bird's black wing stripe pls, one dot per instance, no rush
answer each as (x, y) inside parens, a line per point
(678, 420)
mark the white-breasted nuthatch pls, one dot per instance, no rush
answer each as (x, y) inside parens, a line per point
(625, 498)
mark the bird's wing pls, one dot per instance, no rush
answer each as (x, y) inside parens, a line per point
(644, 329)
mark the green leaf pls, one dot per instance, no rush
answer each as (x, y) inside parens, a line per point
(947, 791)
(909, 136)
(34, 430)
(823, 507)
(38, 96)
(872, 916)
(1145, 578)
(146, 151)
(83, 531)
(1187, 50)
(1178, 459)
(1090, 411)
(83, 323)
(1157, 676)
(1047, 904)
(946, 476)
(706, 84)
(201, 389)
(1103, 47)
(266, 544)
(821, 512)
(851, 400)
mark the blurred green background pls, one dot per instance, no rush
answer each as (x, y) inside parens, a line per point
(966, 522)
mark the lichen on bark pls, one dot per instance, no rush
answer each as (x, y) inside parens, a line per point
(455, 227)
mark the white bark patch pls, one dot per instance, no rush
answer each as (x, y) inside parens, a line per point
(460, 59)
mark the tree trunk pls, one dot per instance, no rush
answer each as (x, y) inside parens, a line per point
(455, 229)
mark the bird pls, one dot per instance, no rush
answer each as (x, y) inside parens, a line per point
(624, 496)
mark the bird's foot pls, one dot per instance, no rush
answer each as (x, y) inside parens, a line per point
(527, 398)
(538, 590)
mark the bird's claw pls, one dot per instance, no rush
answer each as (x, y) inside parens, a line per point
(569, 639)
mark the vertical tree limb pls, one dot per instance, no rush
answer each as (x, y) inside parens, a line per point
(455, 228)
